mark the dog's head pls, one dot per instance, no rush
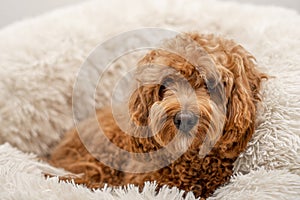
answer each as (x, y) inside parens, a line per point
(196, 93)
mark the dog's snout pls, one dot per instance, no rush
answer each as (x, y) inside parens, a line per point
(185, 120)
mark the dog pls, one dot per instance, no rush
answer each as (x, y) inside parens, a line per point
(190, 117)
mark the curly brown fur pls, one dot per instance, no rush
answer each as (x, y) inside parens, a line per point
(235, 80)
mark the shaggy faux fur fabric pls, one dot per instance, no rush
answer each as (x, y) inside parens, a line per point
(21, 179)
(39, 59)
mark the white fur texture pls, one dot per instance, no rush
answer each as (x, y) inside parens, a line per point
(22, 178)
(39, 59)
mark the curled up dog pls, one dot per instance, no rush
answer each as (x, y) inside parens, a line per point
(191, 115)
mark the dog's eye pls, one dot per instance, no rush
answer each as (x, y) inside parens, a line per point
(165, 83)
(161, 92)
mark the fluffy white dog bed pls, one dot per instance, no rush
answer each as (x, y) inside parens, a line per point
(39, 59)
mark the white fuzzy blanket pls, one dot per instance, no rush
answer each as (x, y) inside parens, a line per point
(39, 59)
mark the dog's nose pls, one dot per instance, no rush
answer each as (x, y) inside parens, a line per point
(185, 120)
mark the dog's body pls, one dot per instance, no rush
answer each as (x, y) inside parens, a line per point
(184, 110)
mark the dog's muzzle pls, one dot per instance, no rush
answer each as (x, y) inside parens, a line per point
(185, 121)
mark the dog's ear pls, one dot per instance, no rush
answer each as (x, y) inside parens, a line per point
(139, 107)
(242, 85)
(141, 101)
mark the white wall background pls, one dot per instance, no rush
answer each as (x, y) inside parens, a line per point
(15, 10)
